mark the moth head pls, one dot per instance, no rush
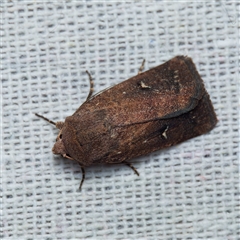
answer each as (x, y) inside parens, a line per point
(66, 142)
(58, 147)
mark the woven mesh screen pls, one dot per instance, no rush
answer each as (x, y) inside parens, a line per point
(189, 191)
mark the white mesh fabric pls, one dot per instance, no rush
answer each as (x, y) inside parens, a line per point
(189, 191)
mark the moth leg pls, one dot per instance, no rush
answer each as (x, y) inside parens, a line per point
(141, 67)
(132, 167)
(83, 170)
(66, 156)
(91, 85)
(83, 177)
(83, 173)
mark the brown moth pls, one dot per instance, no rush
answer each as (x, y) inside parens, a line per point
(156, 109)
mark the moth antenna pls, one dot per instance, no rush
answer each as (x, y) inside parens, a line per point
(46, 119)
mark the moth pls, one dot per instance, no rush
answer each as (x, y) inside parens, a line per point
(153, 110)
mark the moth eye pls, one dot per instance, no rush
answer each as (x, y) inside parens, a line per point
(59, 137)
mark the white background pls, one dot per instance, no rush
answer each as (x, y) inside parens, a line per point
(189, 191)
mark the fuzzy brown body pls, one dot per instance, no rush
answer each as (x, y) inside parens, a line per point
(153, 110)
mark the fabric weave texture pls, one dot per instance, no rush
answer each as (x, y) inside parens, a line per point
(188, 191)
